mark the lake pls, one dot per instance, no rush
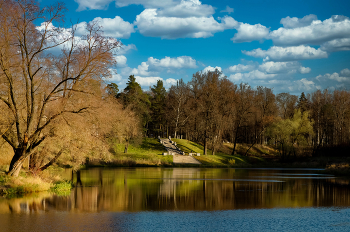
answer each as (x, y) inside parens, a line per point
(186, 199)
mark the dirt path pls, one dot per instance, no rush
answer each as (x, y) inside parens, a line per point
(184, 159)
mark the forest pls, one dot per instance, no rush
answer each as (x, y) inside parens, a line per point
(56, 101)
(210, 109)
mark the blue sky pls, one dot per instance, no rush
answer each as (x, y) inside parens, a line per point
(290, 46)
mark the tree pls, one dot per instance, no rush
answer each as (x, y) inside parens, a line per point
(289, 133)
(286, 103)
(303, 103)
(39, 89)
(135, 99)
(158, 107)
(244, 103)
(112, 89)
(177, 100)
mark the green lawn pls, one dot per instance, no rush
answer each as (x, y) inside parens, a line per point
(148, 153)
(220, 159)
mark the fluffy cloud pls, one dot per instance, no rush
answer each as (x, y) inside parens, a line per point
(146, 82)
(178, 62)
(146, 3)
(115, 27)
(241, 68)
(153, 66)
(253, 75)
(103, 4)
(288, 53)
(298, 22)
(317, 32)
(248, 33)
(336, 45)
(283, 67)
(124, 49)
(142, 70)
(187, 9)
(228, 10)
(121, 61)
(335, 77)
(149, 23)
(345, 72)
(93, 4)
(212, 69)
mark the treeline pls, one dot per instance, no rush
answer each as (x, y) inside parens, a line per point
(210, 109)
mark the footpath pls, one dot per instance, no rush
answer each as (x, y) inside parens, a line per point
(179, 156)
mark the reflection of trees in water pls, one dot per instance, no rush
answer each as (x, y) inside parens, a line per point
(188, 189)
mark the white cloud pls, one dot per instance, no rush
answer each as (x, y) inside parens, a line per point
(336, 45)
(103, 4)
(169, 82)
(142, 70)
(345, 72)
(335, 76)
(177, 63)
(212, 69)
(317, 32)
(149, 23)
(228, 10)
(115, 27)
(93, 4)
(124, 49)
(303, 85)
(248, 33)
(121, 61)
(288, 53)
(153, 66)
(241, 68)
(283, 67)
(146, 3)
(304, 70)
(295, 22)
(252, 75)
(187, 9)
(236, 77)
(147, 81)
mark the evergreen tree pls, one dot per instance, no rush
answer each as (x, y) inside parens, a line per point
(135, 99)
(303, 103)
(112, 89)
(158, 107)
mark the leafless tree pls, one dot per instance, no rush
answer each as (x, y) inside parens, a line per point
(39, 89)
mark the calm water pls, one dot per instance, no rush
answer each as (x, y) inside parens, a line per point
(191, 199)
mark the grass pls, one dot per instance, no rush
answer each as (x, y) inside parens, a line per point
(149, 153)
(26, 182)
(222, 158)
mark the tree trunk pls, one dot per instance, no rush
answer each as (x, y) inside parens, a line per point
(16, 162)
(126, 148)
(205, 146)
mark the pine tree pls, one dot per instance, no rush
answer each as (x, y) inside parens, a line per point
(135, 99)
(158, 107)
(303, 103)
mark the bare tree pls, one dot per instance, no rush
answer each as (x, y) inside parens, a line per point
(39, 89)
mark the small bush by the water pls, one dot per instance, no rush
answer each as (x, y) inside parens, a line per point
(62, 188)
(232, 161)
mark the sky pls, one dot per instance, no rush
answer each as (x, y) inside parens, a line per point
(289, 46)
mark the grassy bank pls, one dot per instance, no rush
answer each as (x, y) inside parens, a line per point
(52, 179)
(148, 153)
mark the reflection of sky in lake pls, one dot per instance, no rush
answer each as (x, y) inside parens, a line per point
(158, 199)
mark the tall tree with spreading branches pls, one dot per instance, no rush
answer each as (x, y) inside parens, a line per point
(38, 87)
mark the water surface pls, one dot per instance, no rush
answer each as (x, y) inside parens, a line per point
(158, 199)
